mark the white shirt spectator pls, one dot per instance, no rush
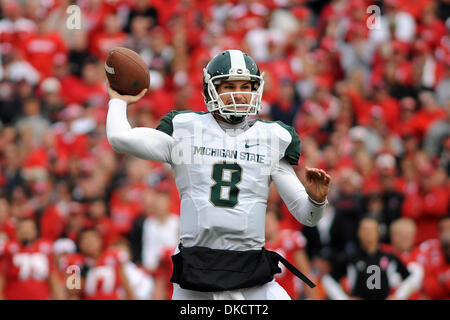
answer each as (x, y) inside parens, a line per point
(141, 283)
(259, 39)
(405, 29)
(156, 236)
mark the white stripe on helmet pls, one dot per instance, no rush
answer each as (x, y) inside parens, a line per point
(237, 59)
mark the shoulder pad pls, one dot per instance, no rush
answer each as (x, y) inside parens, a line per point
(166, 124)
(292, 141)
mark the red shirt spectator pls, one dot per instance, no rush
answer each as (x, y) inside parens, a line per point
(37, 158)
(111, 36)
(414, 7)
(102, 271)
(166, 10)
(431, 28)
(159, 101)
(428, 252)
(389, 106)
(402, 236)
(103, 279)
(69, 142)
(75, 91)
(335, 10)
(7, 227)
(162, 274)
(290, 244)
(94, 14)
(41, 50)
(249, 15)
(436, 282)
(27, 270)
(98, 219)
(287, 244)
(72, 144)
(123, 210)
(426, 207)
(14, 27)
(424, 118)
(443, 49)
(406, 258)
(53, 221)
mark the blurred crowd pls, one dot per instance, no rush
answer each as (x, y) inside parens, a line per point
(368, 94)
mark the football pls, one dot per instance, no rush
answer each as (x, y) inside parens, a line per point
(127, 73)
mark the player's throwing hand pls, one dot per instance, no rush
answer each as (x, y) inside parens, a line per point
(127, 98)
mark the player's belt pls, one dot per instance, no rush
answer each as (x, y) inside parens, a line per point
(209, 270)
(294, 270)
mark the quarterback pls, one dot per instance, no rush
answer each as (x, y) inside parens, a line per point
(224, 161)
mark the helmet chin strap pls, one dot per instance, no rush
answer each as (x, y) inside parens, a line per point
(231, 118)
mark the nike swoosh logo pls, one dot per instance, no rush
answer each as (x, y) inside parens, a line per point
(251, 145)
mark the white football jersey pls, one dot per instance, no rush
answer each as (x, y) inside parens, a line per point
(223, 180)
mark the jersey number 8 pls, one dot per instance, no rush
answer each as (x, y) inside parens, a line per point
(224, 193)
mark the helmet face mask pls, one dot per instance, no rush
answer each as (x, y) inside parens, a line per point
(232, 65)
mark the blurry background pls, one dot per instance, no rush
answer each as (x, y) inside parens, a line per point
(371, 107)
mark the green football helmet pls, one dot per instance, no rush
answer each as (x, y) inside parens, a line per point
(232, 65)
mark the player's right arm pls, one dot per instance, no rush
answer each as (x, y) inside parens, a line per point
(144, 143)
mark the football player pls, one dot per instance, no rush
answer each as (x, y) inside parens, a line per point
(224, 162)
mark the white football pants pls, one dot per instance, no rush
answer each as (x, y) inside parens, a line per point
(268, 291)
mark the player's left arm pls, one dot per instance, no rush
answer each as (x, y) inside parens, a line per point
(306, 201)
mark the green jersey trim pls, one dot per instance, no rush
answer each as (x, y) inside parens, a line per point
(166, 124)
(292, 152)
